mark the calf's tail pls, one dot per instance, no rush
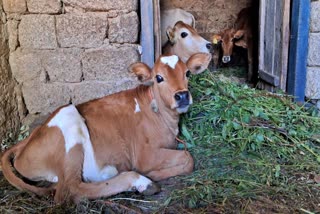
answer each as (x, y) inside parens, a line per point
(12, 178)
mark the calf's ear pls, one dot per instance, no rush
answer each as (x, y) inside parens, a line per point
(170, 35)
(216, 39)
(241, 43)
(239, 34)
(198, 62)
(142, 71)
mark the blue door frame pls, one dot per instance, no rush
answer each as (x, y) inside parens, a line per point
(146, 34)
(298, 51)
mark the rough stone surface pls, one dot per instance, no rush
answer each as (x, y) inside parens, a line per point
(37, 32)
(104, 5)
(109, 64)
(313, 83)
(9, 117)
(85, 31)
(13, 34)
(315, 16)
(25, 65)
(124, 28)
(44, 6)
(63, 65)
(88, 90)
(60, 52)
(14, 6)
(314, 47)
(44, 98)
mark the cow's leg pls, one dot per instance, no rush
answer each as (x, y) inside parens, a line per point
(77, 189)
(164, 163)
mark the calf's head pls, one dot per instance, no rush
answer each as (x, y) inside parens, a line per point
(169, 79)
(186, 41)
(228, 38)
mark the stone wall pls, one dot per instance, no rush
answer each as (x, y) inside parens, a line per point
(9, 118)
(211, 16)
(313, 71)
(70, 51)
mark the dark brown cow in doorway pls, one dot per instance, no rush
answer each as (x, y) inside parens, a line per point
(240, 35)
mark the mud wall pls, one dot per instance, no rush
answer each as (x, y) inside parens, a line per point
(9, 118)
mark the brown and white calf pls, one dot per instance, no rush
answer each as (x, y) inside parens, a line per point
(184, 41)
(121, 142)
(240, 35)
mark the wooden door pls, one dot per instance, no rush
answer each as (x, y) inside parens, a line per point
(273, 43)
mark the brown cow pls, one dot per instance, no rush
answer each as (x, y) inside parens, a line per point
(240, 35)
(117, 143)
(184, 41)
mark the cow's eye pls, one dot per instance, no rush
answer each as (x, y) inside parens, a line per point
(159, 78)
(184, 34)
(188, 73)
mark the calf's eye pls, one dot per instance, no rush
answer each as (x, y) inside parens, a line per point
(188, 73)
(159, 78)
(184, 34)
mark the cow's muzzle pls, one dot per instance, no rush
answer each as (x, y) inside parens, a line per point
(183, 101)
(226, 59)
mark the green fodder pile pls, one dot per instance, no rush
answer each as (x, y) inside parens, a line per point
(254, 152)
(252, 148)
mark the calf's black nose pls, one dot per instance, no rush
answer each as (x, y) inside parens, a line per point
(182, 96)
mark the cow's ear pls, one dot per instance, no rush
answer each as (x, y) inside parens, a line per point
(241, 43)
(198, 62)
(170, 35)
(216, 39)
(142, 71)
(239, 34)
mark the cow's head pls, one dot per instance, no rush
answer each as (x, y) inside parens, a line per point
(170, 79)
(186, 41)
(228, 38)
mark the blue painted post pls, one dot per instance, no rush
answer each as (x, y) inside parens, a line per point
(147, 37)
(298, 51)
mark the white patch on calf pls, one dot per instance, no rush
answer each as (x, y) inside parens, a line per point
(137, 108)
(141, 183)
(75, 131)
(72, 126)
(108, 172)
(170, 60)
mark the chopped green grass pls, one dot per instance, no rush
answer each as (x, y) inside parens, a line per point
(254, 152)
(247, 144)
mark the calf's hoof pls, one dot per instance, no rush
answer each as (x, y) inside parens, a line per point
(152, 189)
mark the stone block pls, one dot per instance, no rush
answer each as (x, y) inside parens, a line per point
(44, 6)
(86, 31)
(104, 5)
(108, 64)
(44, 98)
(315, 16)
(89, 90)
(124, 28)
(14, 6)
(313, 83)
(25, 65)
(63, 65)
(37, 32)
(314, 47)
(13, 34)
